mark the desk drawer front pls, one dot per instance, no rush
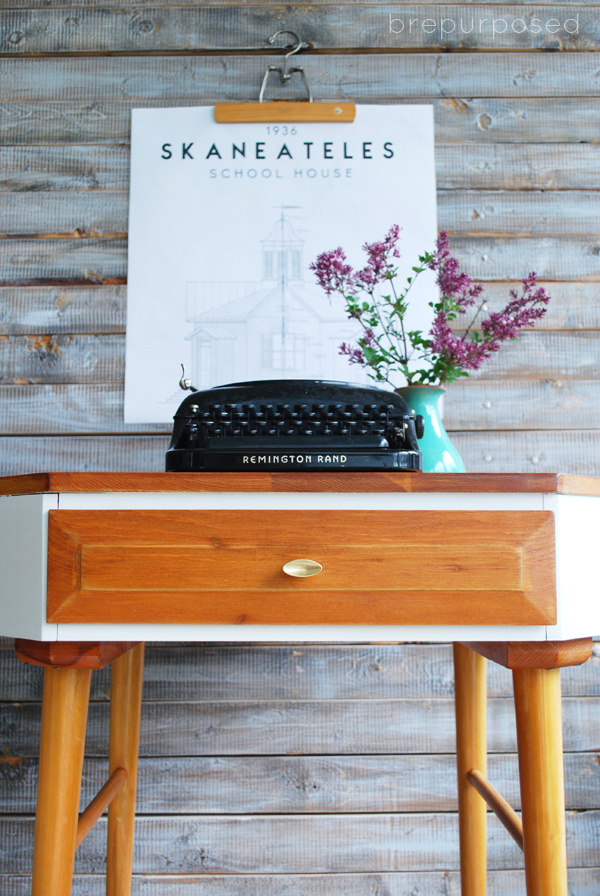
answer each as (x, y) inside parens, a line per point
(379, 567)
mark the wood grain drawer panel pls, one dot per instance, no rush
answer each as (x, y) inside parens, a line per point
(225, 567)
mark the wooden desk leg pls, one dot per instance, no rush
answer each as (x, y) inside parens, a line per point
(64, 717)
(539, 738)
(471, 753)
(125, 711)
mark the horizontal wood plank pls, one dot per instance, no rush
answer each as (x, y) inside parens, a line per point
(470, 166)
(506, 405)
(500, 883)
(527, 451)
(32, 262)
(516, 167)
(70, 309)
(553, 355)
(105, 214)
(66, 168)
(306, 785)
(219, 671)
(102, 309)
(458, 119)
(58, 262)
(132, 453)
(486, 258)
(215, 672)
(62, 358)
(153, 4)
(295, 844)
(68, 409)
(535, 213)
(330, 26)
(376, 76)
(78, 214)
(301, 727)
(487, 405)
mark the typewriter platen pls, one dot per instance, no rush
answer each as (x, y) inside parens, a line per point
(301, 425)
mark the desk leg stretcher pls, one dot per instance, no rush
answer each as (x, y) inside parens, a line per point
(59, 828)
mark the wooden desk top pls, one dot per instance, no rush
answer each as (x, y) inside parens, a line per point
(544, 483)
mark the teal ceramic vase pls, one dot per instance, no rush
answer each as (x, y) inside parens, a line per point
(439, 454)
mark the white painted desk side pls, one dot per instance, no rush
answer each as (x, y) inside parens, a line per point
(23, 566)
(577, 532)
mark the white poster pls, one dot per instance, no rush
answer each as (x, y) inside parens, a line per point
(224, 222)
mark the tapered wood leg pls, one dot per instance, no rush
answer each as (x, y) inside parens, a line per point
(125, 710)
(539, 738)
(64, 717)
(471, 753)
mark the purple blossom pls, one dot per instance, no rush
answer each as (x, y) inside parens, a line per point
(369, 338)
(522, 311)
(332, 273)
(386, 347)
(335, 275)
(469, 354)
(466, 354)
(380, 265)
(454, 285)
(354, 355)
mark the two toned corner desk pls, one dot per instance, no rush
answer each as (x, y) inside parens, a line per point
(505, 566)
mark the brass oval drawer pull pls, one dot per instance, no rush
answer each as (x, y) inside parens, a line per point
(302, 568)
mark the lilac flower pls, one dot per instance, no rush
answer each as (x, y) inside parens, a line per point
(522, 311)
(456, 351)
(354, 355)
(469, 354)
(332, 273)
(380, 265)
(369, 338)
(387, 348)
(453, 284)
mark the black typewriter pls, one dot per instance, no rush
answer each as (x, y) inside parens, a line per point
(294, 425)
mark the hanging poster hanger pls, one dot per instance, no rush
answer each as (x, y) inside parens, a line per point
(283, 110)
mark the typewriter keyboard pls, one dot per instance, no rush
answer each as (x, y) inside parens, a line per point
(336, 420)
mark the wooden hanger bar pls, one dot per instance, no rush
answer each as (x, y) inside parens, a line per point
(284, 111)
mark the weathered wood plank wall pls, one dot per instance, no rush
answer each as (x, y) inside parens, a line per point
(518, 173)
(303, 770)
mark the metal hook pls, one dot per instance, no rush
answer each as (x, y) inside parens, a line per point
(285, 73)
(300, 45)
